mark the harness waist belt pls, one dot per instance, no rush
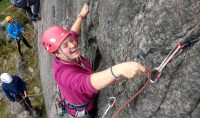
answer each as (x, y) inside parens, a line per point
(74, 106)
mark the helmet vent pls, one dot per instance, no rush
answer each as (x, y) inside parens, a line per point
(52, 40)
(62, 34)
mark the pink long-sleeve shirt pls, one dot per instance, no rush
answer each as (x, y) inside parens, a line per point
(74, 81)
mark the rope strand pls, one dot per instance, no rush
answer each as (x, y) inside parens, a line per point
(115, 114)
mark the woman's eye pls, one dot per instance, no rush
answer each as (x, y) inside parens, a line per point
(65, 45)
(71, 40)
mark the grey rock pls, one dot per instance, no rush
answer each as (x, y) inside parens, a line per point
(21, 66)
(3, 24)
(140, 30)
(36, 90)
(16, 108)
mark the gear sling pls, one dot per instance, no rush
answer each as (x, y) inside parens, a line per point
(63, 104)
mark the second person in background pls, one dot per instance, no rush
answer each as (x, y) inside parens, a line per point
(26, 5)
(15, 90)
(15, 31)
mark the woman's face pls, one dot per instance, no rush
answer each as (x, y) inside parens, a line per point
(68, 50)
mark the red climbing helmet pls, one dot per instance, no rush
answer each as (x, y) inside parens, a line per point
(53, 37)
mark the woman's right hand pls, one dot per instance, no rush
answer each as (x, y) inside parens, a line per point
(100, 80)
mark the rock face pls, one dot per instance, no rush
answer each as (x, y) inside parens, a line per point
(144, 31)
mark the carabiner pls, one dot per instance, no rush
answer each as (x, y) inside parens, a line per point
(155, 76)
(111, 101)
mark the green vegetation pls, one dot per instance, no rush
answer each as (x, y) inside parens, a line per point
(4, 113)
(7, 9)
(10, 54)
(4, 4)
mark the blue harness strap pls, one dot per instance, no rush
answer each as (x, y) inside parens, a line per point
(75, 106)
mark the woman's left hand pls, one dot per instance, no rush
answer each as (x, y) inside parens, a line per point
(84, 10)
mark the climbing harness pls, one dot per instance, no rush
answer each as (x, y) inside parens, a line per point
(60, 103)
(148, 76)
(63, 104)
(157, 71)
(111, 103)
(76, 106)
(80, 108)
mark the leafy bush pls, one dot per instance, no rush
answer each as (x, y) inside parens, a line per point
(4, 4)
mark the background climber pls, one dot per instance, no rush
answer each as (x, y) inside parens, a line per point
(15, 31)
(73, 73)
(15, 90)
(26, 5)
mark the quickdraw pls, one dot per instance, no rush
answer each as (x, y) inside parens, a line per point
(155, 75)
(111, 103)
(157, 71)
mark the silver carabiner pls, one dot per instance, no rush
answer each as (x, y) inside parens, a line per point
(156, 74)
(111, 101)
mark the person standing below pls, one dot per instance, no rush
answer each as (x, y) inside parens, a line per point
(15, 31)
(73, 73)
(26, 5)
(15, 90)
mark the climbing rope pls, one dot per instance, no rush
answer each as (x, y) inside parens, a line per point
(50, 86)
(115, 114)
(154, 75)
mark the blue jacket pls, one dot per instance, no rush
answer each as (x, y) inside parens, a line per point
(14, 89)
(14, 30)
